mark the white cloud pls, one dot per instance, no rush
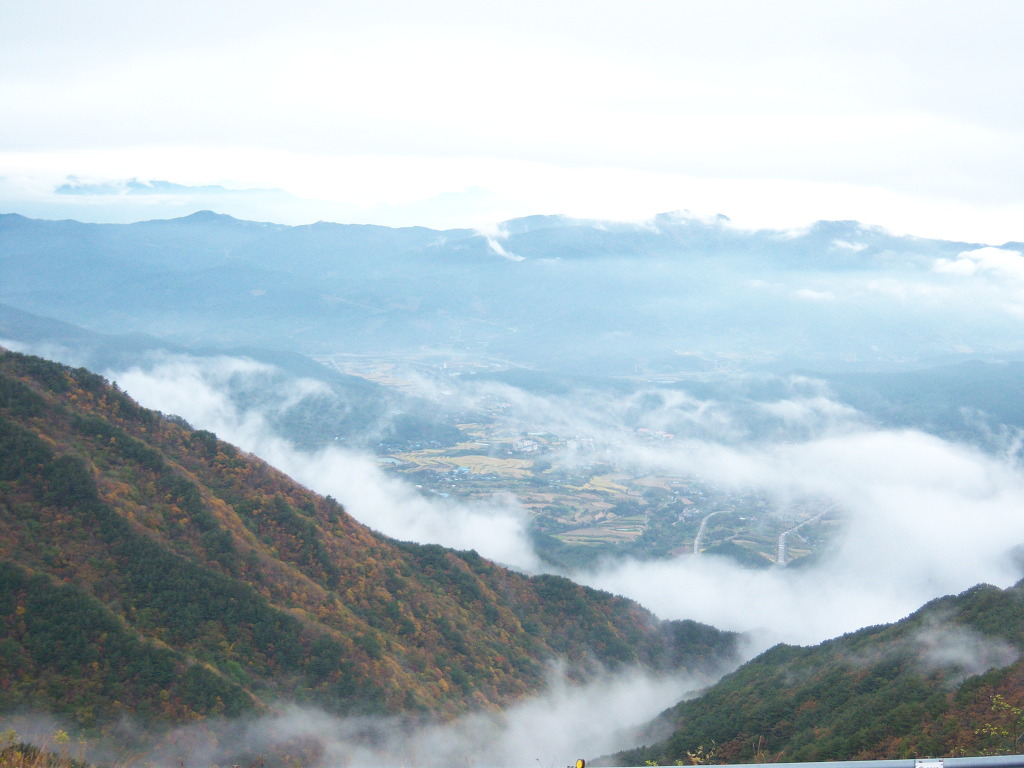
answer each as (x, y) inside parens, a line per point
(775, 118)
(998, 262)
(812, 295)
(920, 517)
(499, 249)
(565, 721)
(818, 412)
(193, 388)
(854, 247)
(961, 649)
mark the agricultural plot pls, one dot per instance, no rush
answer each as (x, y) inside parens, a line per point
(598, 509)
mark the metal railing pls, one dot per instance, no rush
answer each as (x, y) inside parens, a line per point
(990, 761)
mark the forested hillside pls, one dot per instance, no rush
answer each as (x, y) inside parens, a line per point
(147, 568)
(945, 681)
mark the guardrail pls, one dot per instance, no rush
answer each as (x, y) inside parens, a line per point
(990, 761)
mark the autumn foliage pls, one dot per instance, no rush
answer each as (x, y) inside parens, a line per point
(149, 568)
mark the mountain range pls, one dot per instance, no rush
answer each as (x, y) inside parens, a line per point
(152, 570)
(677, 293)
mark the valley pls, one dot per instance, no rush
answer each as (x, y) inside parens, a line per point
(585, 504)
(667, 441)
(452, 385)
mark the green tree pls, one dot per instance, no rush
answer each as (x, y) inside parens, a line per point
(1001, 736)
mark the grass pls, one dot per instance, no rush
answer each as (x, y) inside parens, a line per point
(54, 750)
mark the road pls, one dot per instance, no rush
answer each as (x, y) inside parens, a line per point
(700, 532)
(782, 536)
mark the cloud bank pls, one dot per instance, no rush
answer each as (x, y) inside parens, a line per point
(193, 388)
(922, 516)
(658, 107)
(565, 721)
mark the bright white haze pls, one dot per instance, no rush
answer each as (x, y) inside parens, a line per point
(925, 517)
(452, 113)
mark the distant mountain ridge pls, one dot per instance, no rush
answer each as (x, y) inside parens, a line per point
(615, 296)
(208, 583)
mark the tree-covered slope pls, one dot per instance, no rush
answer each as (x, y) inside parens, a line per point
(945, 681)
(150, 568)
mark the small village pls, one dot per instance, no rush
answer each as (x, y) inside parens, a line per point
(577, 495)
(583, 503)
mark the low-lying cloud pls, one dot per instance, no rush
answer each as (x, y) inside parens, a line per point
(566, 721)
(961, 650)
(999, 262)
(193, 389)
(922, 516)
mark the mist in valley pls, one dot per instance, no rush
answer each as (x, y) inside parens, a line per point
(759, 362)
(913, 466)
(564, 721)
(881, 394)
(922, 516)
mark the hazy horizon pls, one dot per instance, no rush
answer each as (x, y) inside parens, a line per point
(692, 295)
(447, 115)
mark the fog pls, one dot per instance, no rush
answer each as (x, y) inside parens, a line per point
(961, 650)
(551, 730)
(194, 388)
(563, 722)
(922, 516)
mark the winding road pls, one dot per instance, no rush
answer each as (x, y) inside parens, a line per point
(700, 531)
(781, 561)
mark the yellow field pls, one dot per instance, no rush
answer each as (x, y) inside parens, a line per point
(654, 482)
(604, 484)
(597, 534)
(439, 461)
(482, 465)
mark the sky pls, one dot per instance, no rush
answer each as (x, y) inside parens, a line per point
(905, 114)
(902, 114)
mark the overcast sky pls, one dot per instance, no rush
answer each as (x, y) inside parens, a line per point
(903, 114)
